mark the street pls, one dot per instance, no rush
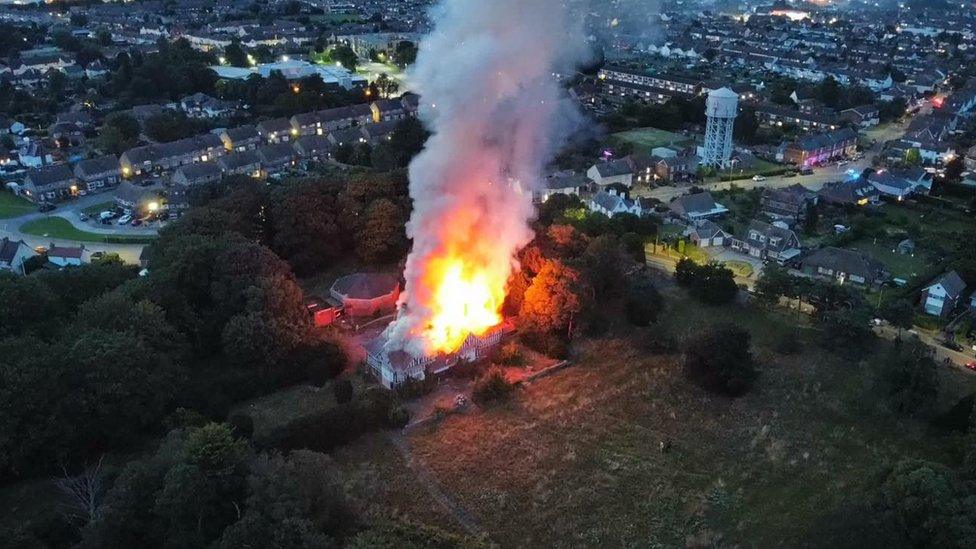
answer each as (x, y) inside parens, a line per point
(71, 211)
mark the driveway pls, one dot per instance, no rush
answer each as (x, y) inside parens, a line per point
(724, 254)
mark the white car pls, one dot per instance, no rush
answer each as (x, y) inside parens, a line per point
(106, 215)
(125, 219)
(759, 178)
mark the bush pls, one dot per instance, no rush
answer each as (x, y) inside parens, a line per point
(414, 388)
(509, 354)
(322, 360)
(643, 302)
(550, 345)
(720, 360)
(397, 417)
(342, 389)
(242, 425)
(328, 429)
(658, 342)
(492, 386)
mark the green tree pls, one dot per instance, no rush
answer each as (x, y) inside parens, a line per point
(383, 236)
(405, 53)
(234, 55)
(604, 264)
(306, 232)
(846, 332)
(644, 302)
(909, 377)
(344, 55)
(913, 157)
(899, 312)
(720, 360)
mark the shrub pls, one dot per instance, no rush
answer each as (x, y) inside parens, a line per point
(643, 302)
(242, 425)
(720, 360)
(658, 341)
(510, 354)
(492, 386)
(550, 345)
(397, 417)
(342, 389)
(414, 388)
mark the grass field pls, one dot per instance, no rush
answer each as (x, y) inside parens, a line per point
(57, 227)
(574, 460)
(649, 138)
(96, 209)
(900, 265)
(14, 206)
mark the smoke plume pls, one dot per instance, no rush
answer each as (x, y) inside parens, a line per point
(490, 97)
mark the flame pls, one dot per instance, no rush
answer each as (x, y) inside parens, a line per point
(465, 300)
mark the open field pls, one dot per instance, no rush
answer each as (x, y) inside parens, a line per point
(12, 205)
(56, 227)
(574, 459)
(650, 137)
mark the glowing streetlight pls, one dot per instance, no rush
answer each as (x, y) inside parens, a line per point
(153, 206)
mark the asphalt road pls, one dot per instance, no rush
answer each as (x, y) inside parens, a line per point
(71, 211)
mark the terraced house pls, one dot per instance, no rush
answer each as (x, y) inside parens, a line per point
(95, 174)
(818, 149)
(169, 156)
(49, 183)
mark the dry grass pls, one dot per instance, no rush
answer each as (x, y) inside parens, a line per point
(574, 460)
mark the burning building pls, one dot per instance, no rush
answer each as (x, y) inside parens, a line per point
(496, 112)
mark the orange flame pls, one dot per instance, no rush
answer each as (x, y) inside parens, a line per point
(466, 300)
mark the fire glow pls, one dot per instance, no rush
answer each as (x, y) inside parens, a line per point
(488, 67)
(466, 300)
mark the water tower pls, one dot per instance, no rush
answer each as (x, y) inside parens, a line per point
(720, 110)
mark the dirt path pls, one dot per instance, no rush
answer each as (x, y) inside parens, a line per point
(434, 488)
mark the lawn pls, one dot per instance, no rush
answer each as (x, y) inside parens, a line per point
(12, 205)
(900, 265)
(96, 209)
(574, 459)
(57, 227)
(649, 138)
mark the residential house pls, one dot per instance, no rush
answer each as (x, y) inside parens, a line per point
(843, 266)
(241, 138)
(352, 136)
(610, 202)
(619, 172)
(817, 149)
(313, 148)
(95, 174)
(276, 158)
(890, 185)
(940, 297)
(857, 192)
(789, 203)
(394, 109)
(13, 253)
(141, 199)
(769, 242)
(566, 183)
(200, 173)
(277, 130)
(240, 163)
(34, 154)
(201, 105)
(864, 116)
(67, 256)
(50, 183)
(163, 157)
(705, 233)
(380, 131)
(693, 207)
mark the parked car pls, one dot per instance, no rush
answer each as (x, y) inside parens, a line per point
(759, 178)
(806, 171)
(83, 216)
(105, 220)
(106, 215)
(971, 364)
(789, 174)
(136, 222)
(45, 207)
(949, 344)
(125, 219)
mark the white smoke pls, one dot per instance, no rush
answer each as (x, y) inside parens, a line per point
(496, 111)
